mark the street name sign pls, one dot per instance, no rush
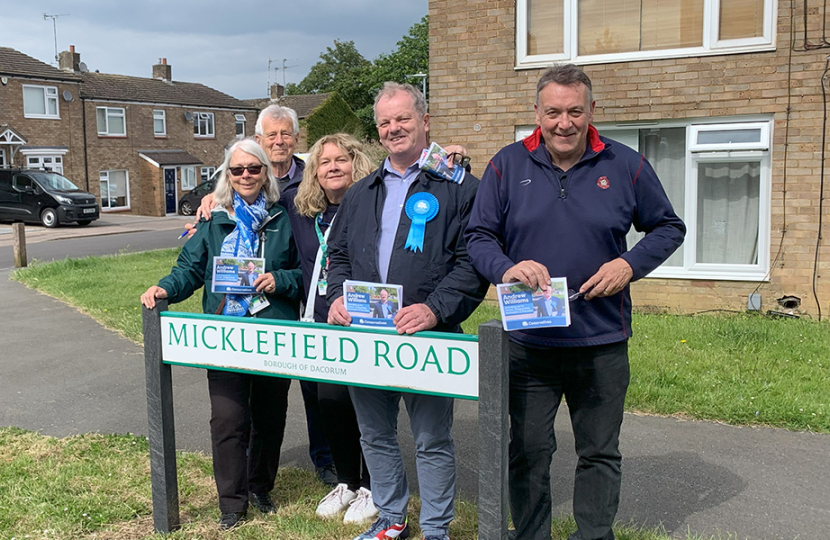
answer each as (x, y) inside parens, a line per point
(427, 362)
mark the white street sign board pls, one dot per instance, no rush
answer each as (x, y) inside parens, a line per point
(427, 362)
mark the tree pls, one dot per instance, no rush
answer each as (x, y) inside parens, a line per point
(410, 57)
(341, 69)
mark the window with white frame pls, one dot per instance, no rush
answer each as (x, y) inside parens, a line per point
(206, 173)
(203, 124)
(240, 125)
(40, 101)
(599, 31)
(51, 163)
(3, 158)
(159, 124)
(111, 121)
(188, 178)
(717, 176)
(115, 190)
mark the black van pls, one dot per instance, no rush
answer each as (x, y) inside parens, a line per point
(42, 196)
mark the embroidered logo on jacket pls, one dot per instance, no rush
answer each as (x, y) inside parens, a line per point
(603, 182)
(525, 182)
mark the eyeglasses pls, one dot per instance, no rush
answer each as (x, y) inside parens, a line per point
(459, 159)
(574, 295)
(253, 169)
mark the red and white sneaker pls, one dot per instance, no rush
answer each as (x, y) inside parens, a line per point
(385, 529)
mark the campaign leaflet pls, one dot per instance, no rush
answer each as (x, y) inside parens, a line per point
(373, 305)
(236, 275)
(436, 160)
(523, 308)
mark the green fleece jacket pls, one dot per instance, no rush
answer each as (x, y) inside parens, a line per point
(194, 266)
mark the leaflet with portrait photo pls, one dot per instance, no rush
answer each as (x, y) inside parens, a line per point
(373, 305)
(523, 308)
(236, 275)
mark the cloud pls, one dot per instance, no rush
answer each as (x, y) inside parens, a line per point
(225, 45)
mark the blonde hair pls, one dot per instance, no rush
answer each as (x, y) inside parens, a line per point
(310, 198)
(223, 194)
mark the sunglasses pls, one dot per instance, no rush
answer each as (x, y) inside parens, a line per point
(458, 159)
(238, 171)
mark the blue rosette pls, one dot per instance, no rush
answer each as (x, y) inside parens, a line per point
(420, 208)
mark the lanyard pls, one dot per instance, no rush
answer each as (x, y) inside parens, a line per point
(319, 265)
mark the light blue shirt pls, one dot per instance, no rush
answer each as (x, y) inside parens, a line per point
(397, 186)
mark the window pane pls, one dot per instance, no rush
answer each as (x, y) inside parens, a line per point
(114, 191)
(727, 212)
(158, 126)
(545, 24)
(741, 19)
(729, 136)
(102, 120)
(53, 106)
(665, 150)
(616, 26)
(116, 124)
(33, 101)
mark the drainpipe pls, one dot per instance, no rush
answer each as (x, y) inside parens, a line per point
(83, 123)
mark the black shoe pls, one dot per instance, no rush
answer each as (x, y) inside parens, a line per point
(263, 503)
(229, 520)
(327, 475)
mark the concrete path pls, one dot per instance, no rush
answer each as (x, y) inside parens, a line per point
(61, 373)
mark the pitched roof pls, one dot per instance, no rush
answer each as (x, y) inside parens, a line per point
(126, 88)
(14, 62)
(303, 104)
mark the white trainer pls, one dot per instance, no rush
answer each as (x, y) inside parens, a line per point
(336, 501)
(362, 508)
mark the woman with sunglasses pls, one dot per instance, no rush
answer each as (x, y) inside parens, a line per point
(247, 411)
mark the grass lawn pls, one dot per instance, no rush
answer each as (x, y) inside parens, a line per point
(735, 368)
(740, 369)
(97, 487)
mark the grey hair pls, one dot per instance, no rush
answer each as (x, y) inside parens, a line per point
(564, 75)
(390, 88)
(277, 112)
(223, 194)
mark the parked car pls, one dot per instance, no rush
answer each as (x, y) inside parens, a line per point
(191, 200)
(43, 196)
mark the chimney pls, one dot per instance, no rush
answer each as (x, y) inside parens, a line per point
(277, 91)
(69, 60)
(163, 71)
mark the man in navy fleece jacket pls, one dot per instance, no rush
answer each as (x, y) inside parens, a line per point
(559, 203)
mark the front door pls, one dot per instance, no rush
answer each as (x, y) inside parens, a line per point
(170, 191)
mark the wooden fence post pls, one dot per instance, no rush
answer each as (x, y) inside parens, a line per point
(21, 260)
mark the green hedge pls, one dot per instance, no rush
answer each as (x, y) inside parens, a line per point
(332, 116)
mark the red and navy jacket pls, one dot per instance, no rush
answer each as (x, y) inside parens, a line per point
(572, 222)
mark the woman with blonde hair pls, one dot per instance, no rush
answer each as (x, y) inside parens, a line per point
(334, 164)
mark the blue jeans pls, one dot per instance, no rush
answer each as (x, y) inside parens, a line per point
(431, 420)
(594, 381)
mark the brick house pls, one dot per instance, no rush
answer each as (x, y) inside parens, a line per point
(148, 140)
(724, 99)
(40, 116)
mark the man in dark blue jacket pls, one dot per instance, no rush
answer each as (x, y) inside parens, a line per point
(560, 203)
(404, 226)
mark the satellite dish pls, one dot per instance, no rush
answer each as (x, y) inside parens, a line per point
(67, 95)
(188, 116)
(82, 68)
(4, 80)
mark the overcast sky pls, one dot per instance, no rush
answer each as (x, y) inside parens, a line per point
(225, 45)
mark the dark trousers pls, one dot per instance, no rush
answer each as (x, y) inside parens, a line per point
(594, 381)
(247, 424)
(343, 434)
(318, 446)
